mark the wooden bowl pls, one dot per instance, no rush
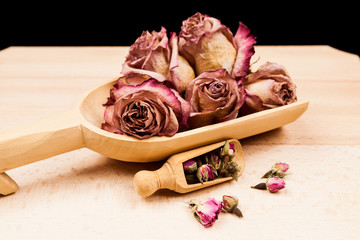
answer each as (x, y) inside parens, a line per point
(80, 128)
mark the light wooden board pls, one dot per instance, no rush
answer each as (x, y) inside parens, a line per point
(83, 195)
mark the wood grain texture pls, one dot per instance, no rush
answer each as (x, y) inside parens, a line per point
(84, 195)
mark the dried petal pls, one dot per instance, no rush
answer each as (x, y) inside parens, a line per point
(243, 42)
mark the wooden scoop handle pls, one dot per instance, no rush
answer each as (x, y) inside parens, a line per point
(148, 182)
(46, 138)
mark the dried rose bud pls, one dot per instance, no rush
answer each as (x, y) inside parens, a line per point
(228, 150)
(190, 166)
(206, 173)
(191, 179)
(275, 184)
(278, 169)
(231, 170)
(206, 212)
(281, 167)
(230, 204)
(213, 159)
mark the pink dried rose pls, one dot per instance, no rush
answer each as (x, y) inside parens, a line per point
(230, 205)
(278, 169)
(214, 97)
(152, 54)
(268, 87)
(206, 172)
(190, 166)
(206, 212)
(145, 110)
(209, 45)
(214, 159)
(275, 184)
(228, 150)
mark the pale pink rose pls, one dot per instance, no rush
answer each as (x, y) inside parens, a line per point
(154, 55)
(209, 45)
(145, 110)
(268, 87)
(214, 97)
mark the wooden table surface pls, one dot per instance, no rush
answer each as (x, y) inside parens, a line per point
(83, 195)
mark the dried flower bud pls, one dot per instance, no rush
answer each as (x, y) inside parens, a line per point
(278, 170)
(231, 170)
(206, 172)
(191, 179)
(228, 150)
(275, 184)
(230, 204)
(190, 166)
(213, 159)
(206, 212)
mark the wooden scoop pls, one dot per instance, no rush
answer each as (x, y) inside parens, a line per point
(80, 128)
(171, 175)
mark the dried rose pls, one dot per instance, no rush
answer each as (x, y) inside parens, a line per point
(214, 97)
(275, 184)
(190, 166)
(213, 159)
(281, 167)
(228, 150)
(206, 173)
(269, 87)
(154, 55)
(278, 169)
(208, 45)
(146, 110)
(231, 169)
(230, 204)
(149, 55)
(206, 212)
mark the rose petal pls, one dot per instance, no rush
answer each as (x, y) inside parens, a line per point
(243, 42)
(180, 71)
(206, 43)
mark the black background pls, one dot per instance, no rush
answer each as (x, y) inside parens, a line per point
(120, 23)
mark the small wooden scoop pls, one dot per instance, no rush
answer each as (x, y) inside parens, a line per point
(171, 175)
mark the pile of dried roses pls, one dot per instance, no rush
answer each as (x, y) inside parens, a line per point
(217, 163)
(195, 79)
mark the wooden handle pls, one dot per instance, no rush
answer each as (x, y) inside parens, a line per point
(46, 138)
(148, 182)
